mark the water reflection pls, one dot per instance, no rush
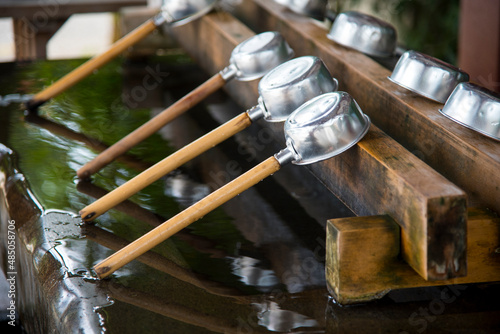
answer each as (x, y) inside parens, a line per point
(247, 269)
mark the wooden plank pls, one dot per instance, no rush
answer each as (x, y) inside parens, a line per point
(377, 176)
(44, 10)
(362, 256)
(466, 158)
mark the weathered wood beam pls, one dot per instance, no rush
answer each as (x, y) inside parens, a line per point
(377, 176)
(362, 261)
(466, 158)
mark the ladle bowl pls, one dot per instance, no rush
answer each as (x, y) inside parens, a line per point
(364, 33)
(289, 85)
(427, 76)
(324, 127)
(254, 57)
(474, 107)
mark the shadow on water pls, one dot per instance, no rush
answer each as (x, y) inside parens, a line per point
(256, 264)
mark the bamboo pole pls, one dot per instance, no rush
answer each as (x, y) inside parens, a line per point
(186, 217)
(165, 166)
(92, 64)
(151, 126)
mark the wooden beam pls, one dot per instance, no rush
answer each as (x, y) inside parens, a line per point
(377, 176)
(466, 158)
(362, 260)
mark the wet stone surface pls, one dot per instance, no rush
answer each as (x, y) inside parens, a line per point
(256, 264)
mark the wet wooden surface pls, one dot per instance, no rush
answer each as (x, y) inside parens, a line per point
(377, 176)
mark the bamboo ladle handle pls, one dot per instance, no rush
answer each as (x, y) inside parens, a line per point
(151, 126)
(92, 64)
(186, 217)
(165, 166)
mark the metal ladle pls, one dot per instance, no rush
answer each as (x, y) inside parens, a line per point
(281, 91)
(173, 12)
(319, 129)
(250, 60)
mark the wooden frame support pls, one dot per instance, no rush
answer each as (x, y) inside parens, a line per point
(465, 157)
(362, 256)
(377, 176)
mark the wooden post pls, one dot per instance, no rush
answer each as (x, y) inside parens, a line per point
(378, 175)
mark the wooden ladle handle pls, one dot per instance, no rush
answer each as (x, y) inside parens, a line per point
(186, 217)
(92, 64)
(151, 126)
(165, 166)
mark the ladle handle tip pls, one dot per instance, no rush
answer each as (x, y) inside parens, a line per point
(94, 63)
(186, 217)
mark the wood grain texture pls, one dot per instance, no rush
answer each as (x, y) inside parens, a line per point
(362, 260)
(377, 176)
(210, 41)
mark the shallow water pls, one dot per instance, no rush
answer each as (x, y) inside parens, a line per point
(208, 266)
(256, 264)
